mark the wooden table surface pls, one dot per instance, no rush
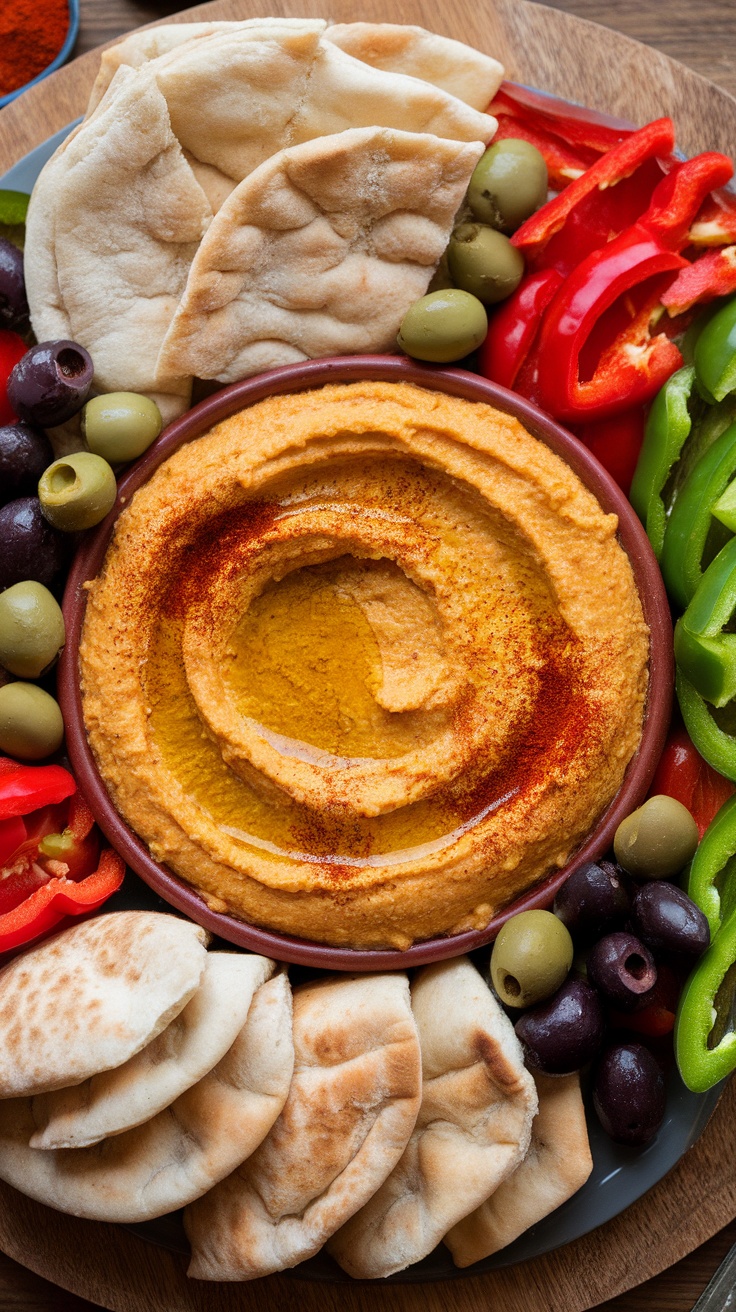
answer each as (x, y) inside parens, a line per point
(702, 35)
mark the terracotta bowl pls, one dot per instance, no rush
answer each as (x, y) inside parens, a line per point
(455, 382)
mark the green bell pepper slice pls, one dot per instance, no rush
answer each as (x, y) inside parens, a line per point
(711, 881)
(701, 1012)
(715, 354)
(715, 740)
(691, 518)
(667, 430)
(705, 654)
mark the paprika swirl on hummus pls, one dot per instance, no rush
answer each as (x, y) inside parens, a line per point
(364, 663)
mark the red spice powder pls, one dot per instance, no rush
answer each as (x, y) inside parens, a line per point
(32, 33)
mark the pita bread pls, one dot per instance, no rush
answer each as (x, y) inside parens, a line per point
(114, 221)
(181, 1055)
(319, 252)
(91, 997)
(456, 68)
(473, 1129)
(183, 1151)
(351, 1108)
(557, 1165)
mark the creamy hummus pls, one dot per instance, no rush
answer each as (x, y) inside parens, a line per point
(364, 663)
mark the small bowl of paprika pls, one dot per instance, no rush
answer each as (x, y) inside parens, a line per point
(35, 40)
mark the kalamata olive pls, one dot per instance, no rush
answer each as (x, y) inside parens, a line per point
(565, 1033)
(484, 263)
(77, 491)
(657, 840)
(120, 425)
(593, 901)
(31, 629)
(629, 1093)
(31, 725)
(443, 326)
(51, 383)
(531, 958)
(622, 969)
(508, 184)
(13, 300)
(24, 454)
(29, 547)
(667, 920)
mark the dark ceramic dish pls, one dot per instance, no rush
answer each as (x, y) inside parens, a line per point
(295, 378)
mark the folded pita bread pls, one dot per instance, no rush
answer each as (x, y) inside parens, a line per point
(114, 221)
(473, 1129)
(91, 997)
(456, 68)
(319, 252)
(557, 1164)
(183, 1151)
(352, 1105)
(181, 1055)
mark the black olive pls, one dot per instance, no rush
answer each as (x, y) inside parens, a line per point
(564, 1033)
(593, 901)
(667, 920)
(623, 969)
(629, 1093)
(51, 383)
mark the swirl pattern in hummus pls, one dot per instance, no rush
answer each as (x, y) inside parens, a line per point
(364, 663)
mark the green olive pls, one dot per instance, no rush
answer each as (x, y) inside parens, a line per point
(31, 629)
(508, 184)
(484, 263)
(77, 491)
(121, 425)
(656, 841)
(443, 326)
(31, 726)
(531, 958)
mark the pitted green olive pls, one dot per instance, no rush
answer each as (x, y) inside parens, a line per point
(443, 326)
(657, 840)
(508, 184)
(121, 425)
(484, 263)
(31, 629)
(77, 491)
(531, 958)
(31, 726)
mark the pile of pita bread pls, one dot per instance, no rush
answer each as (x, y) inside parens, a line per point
(141, 1073)
(246, 195)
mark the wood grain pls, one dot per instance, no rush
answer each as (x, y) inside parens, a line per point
(107, 1265)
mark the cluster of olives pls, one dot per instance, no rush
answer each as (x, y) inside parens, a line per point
(508, 184)
(43, 500)
(586, 972)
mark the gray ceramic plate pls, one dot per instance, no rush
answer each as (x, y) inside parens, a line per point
(620, 1176)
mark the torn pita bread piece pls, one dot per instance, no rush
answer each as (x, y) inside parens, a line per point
(113, 224)
(352, 1105)
(182, 1054)
(91, 997)
(451, 65)
(320, 252)
(473, 1129)
(557, 1164)
(183, 1151)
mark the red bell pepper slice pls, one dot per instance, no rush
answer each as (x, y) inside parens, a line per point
(58, 898)
(683, 774)
(514, 326)
(616, 443)
(632, 370)
(712, 274)
(655, 141)
(13, 834)
(26, 788)
(564, 164)
(12, 349)
(715, 224)
(679, 196)
(575, 126)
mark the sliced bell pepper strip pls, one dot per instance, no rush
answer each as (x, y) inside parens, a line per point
(26, 788)
(715, 224)
(576, 127)
(712, 274)
(514, 326)
(715, 353)
(682, 773)
(59, 898)
(679, 196)
(701, 1066)
(712, 877)
(637, 364)
(705, 654)
(716, 744)
(564, 164)
(654, 141)
(616, 443)
(667, 430)
(691, 518)
(13, 834)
